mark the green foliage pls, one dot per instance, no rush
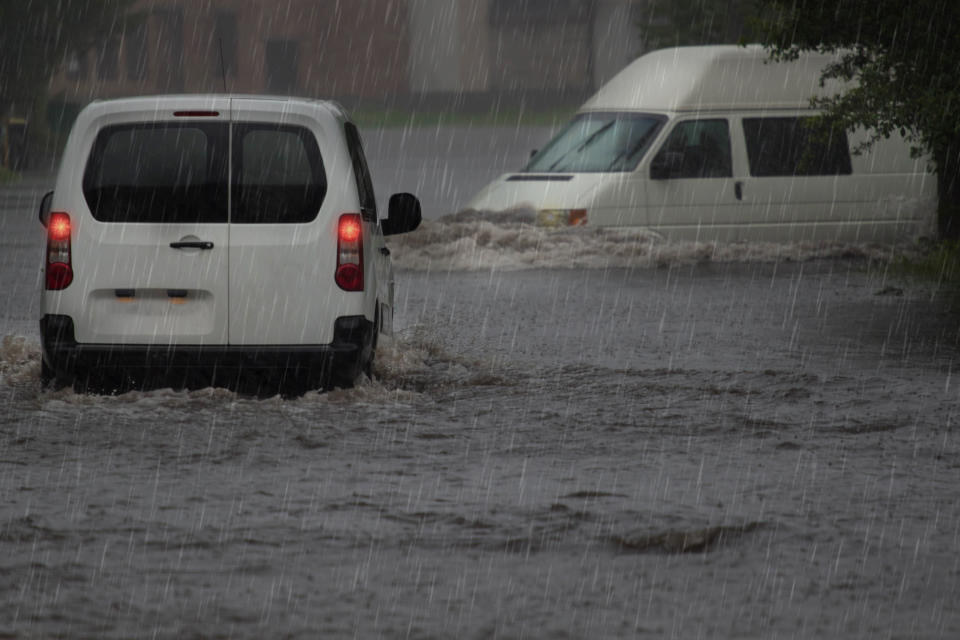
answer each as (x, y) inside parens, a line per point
(671, 23)
(7, 176)
(36, 35)
(936, 262)
(903, 57)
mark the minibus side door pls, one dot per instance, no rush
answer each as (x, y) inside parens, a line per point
(692, 192)
(799, 184)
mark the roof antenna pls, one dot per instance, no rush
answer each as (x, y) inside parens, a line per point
(223, 67)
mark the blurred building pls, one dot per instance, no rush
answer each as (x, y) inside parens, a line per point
(385, 52)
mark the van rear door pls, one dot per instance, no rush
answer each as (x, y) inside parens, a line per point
(151, 258)
(282, 238)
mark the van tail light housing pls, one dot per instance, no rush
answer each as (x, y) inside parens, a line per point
(349, 274)
(59, 268)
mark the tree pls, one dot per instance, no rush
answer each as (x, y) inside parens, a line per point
(36, 35)
(903, 58)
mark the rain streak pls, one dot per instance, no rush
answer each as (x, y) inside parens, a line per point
(575, 431)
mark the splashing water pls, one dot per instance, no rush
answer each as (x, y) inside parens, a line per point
(510, 240)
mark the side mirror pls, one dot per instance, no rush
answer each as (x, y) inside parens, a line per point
(403, 214)
(45, 208)
(666, 165)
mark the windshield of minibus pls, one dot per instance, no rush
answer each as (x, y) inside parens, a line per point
(598, 142)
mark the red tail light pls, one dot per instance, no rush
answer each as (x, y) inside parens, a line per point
(59, 268)
(349, 274)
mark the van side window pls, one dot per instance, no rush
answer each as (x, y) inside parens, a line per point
(795, 147)
(278, 174)
(158, 173)
(368, 201)
(695, 149)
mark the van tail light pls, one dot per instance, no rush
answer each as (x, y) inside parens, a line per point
(59, 268)
(349, 274)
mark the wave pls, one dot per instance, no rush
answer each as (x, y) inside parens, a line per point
(19, 361)
(406, 365)
(675, 541)
(510, 240)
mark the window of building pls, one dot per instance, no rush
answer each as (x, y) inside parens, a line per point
(76, 65)
(283, 66)
(512, 13)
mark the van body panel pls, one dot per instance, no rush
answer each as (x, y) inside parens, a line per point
(709, 78)
(699, 192)
(204, 239)
(888, 195)
(379, 299)
(129, 280)
(115, 259)
(539, 191)
(884, 194)
(691, 205)
(280, 292)
(620, 200)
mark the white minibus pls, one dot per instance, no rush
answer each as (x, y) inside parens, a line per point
(718, 143)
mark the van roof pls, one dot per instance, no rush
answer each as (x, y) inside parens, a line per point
(712, 78)
(136, 103)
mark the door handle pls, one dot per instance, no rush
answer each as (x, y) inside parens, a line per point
(385, 251)
(738, 190)
(192, 245)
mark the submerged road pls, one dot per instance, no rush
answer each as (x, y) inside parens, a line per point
(681, 449)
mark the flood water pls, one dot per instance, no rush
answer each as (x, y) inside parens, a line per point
(634, 441)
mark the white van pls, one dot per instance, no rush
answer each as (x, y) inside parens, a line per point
(714, 143)
(223, 240)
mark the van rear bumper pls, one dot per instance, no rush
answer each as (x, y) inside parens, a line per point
(339, 362)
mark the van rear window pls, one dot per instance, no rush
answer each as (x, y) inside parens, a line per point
(158, 173)
(177, 173)
(795, 147)
(278, 174)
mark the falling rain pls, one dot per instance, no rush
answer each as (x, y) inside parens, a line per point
(579, 431)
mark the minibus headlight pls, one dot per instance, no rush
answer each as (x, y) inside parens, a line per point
(561, 217)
